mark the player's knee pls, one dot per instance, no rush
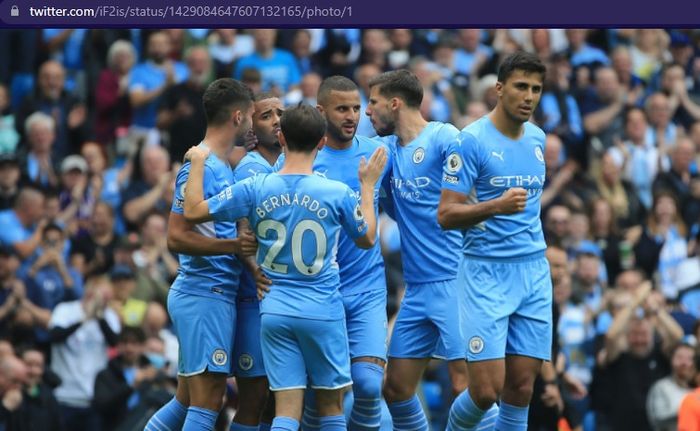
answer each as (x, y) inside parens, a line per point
(519, 390)
(483, 396)
(330, 403)
(395, 390)
(367, 380)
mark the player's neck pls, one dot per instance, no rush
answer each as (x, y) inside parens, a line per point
(409, 125)
(219, 141)
(270, 154)
(508, 127)
(338, 145)
(298, 163)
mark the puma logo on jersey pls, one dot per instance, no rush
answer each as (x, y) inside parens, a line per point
(497, 155)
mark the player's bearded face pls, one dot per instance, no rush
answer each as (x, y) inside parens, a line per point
(266, 121)
(520, 94)
(246, 122)
(342, 115)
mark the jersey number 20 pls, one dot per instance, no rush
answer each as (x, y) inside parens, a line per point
(297, 236)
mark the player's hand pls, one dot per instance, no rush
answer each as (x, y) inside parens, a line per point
(513, 201)
(551, 397)
(262, 283)
(370, 172)
(197, 153)
(248, 243)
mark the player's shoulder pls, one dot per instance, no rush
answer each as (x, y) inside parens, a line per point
(473, 135)
(534, 131)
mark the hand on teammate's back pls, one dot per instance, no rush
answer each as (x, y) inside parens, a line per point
(513, 201)
(197, 153)
(262, 283)
(248, 243)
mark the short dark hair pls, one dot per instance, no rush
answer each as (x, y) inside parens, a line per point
(303, 127)
(521, 60)
(51, 226)
(133, 334)
(264, 96)
(223, 96)
(400, 83)
(334, 83)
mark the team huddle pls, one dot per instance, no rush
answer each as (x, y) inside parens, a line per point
(281, 280)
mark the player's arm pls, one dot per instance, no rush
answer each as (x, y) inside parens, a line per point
(455, 213)
(196, 207)
(182, 239)
(369, 174)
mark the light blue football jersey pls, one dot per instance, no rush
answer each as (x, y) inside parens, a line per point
(215, 276)
(428, 253)
(297, 220)
(252, 164)
(485, 163)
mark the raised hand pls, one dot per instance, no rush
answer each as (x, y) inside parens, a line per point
(369, 172)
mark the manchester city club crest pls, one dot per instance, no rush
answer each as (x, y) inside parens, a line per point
(245, 362)
(418, 155)
(476, 345)
(219, 357)
(538, 154)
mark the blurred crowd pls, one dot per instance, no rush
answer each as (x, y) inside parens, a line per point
(94, 124)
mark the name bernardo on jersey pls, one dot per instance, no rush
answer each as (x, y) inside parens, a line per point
(287, 199)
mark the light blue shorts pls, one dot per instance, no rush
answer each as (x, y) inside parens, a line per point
(297, 351)
(247, 353)
(429, 323)
(508, 306)
(205, 328)
(366, 321)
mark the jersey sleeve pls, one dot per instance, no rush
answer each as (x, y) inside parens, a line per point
(234, 202)
(462, 164)
(351, 217)
(448, 133)
(180, 182)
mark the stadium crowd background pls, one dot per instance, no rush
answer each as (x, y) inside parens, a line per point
(94, 124)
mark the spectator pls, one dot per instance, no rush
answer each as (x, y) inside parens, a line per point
(149, 193)
(662, 244)
(375, 48)
(226, 45)
(80, 333)
(681, 182)
(23, 223)
(471, 54)
(154, 261)
(661, 132)
(9, 180)
(648, 52)
(641, 159)
(131, 311)
(113, 110)
(603, 108)
(100, 244)
(556, 225)
(581, 53)
(69, 113)
(122, 385)
(50, 278)
(181, 112)
(39, 163)
(13, 375)
(622, 63)
(666, 395)
(604, 232)
(632, 361)
(279, 70)
(156, 325)
(148, 81)
(39, 407)
(627, 208)
(77, 200)
(684, 109)
(689, 411)
(9, 138)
